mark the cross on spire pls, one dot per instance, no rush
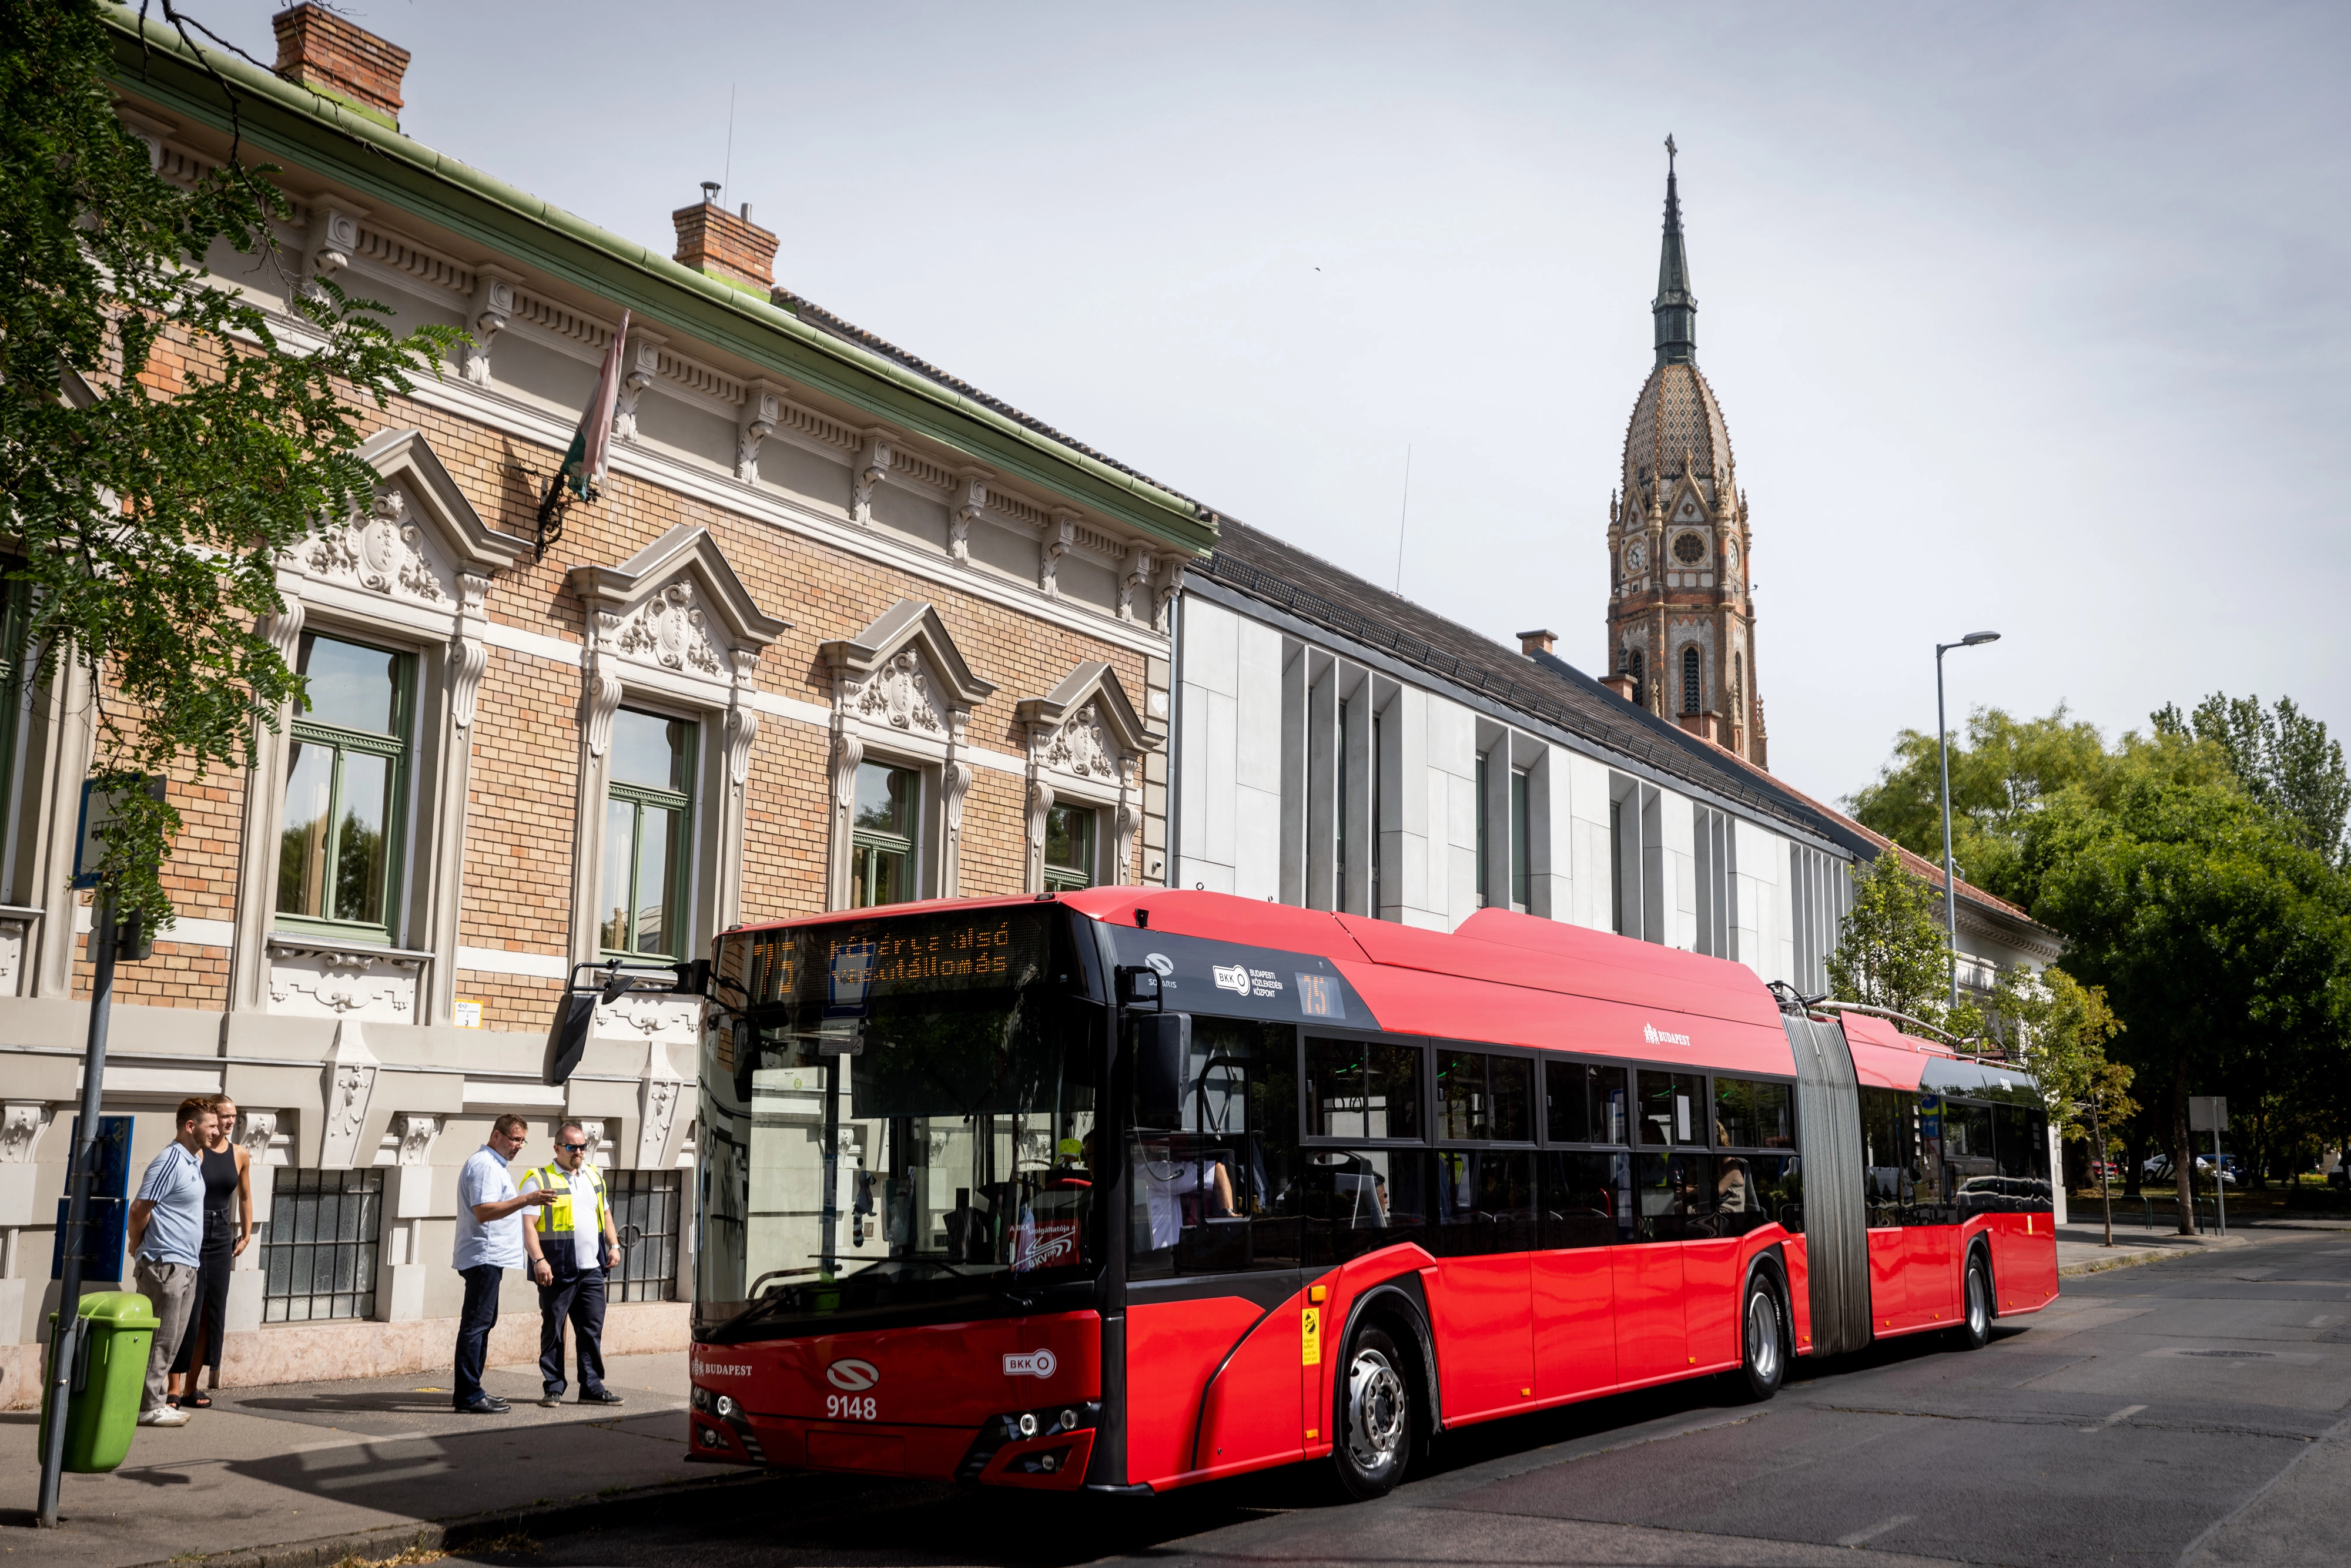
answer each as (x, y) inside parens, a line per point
(1675, 308)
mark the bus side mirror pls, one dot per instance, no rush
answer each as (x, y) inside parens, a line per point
(567, 1037)
(1162, 1043)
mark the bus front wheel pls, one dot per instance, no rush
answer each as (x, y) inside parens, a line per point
(1371, 1417)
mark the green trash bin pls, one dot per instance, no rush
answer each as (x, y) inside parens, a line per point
(109, 1379)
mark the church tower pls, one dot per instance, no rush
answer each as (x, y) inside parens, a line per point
(1680, 622)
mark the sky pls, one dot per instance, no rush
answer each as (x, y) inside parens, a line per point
(2023, 318)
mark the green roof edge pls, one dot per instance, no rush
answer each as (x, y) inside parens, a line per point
(397, 168)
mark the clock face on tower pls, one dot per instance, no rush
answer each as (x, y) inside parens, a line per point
(1636, 555)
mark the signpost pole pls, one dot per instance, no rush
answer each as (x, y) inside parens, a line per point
(66, 1339)
(2220, 1178)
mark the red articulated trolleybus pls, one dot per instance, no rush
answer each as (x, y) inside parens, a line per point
(1125, 1190)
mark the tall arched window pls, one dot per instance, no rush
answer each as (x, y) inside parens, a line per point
(1689, 678)
(1629, 663)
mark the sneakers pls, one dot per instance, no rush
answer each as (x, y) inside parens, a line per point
(163, 1416)
(549, 1401)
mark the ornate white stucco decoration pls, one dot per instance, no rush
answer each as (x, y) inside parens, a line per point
(640, 368)
(493, 305)
(658, 1093)
(667, 630)
(1085, 747)
(416, 1134)
(350, 1077)
(1136, 578)
(318, 979)
(898, 695)
(468, 655)
(872, 462)
(255, 1130)
(383, 551)
(649, 1015)
(965, 502)
(904, 693)
(1060, 538)
(763, 409)
(334, 236)
(22, 1123)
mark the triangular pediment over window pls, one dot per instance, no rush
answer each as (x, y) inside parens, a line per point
(675, 605)
(415, 543)
(905, 658)
(1089, 698)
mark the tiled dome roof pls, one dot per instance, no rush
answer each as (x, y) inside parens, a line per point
(1676, 414)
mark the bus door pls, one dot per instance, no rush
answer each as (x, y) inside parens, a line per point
(1482, 1298)
(1587, 1211)
(1215, 1365)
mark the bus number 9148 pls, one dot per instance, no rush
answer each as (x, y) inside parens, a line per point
(850, 1407)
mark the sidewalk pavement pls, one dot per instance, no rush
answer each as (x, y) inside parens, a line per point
(2081, 1248)
(306, 1461)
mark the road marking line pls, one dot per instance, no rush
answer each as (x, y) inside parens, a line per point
(1875, 1530)
(2123, 1414)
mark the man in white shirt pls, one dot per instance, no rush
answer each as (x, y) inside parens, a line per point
(166, 1228)
(573, 1247)
(489, 1242)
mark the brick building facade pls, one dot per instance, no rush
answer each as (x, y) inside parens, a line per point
(840, 629)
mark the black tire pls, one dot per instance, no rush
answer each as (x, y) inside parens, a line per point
(1372, 1416)
(1975, 1305)
(1763, 1339)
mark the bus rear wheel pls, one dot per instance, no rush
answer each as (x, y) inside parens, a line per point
(1763, 1365)
(1371, 1417)
(1975, 1326)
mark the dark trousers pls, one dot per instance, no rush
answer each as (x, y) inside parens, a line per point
(200, 1347)
(580, 1296)
(479, 1316)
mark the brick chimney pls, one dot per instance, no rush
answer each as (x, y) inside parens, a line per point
(1533, 643)
(327, 54)
(720, 244)
(1621, 685)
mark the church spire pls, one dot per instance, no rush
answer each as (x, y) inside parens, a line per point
(1675, 308)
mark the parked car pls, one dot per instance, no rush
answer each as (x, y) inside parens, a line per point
(2157, 1167)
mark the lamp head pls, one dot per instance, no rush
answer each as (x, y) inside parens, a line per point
(1973, 638)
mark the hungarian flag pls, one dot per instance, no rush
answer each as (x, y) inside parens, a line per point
(591, 444)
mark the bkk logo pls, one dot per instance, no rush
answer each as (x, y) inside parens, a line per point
(854, 1376)
(1231, 978)
(1035, 1363)
(1656, 1036)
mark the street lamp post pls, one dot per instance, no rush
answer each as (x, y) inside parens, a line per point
(1943, 748)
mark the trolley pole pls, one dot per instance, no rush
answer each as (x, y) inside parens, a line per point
(66, 1342)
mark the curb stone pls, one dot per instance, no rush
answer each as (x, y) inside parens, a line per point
(568, 1517)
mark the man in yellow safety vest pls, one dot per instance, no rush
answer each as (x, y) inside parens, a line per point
(573, 1247)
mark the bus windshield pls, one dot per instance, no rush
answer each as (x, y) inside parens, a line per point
(897, 1116)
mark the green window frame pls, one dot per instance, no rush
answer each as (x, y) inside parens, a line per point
(649, 842)
(15, 608)
(1070, 836)
(326, 886)
(881, 867)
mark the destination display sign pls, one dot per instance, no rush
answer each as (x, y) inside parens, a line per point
(846, 967)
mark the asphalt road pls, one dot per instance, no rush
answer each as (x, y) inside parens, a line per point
(2196, 1411)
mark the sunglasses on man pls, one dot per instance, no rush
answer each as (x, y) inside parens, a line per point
(575, 1148)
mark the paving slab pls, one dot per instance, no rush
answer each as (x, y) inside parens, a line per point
(297, 1462)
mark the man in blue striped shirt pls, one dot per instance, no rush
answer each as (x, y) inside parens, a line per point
(167, 1230)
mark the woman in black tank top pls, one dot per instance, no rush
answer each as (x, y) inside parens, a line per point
(228, 1225)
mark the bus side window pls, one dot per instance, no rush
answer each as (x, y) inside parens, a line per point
(1220, 1192)
(1587, 1199)
(1357, 1200)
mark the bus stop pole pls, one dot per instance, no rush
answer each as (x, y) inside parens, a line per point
(65, 1341)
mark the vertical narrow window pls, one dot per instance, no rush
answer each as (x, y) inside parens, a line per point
(648, 835)
(1617, 867)
(1485, 865)
(1632, 662)
(346, 780)
(1522, 877)
(1690, 679)
(1339, 809)
(15, 601)
(1069, 849)
(882, 841)
(1379, 812)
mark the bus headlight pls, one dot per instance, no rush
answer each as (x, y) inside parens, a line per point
(1029, 1426)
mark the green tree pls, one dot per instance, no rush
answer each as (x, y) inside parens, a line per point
(2222, 942)
(2059, 1029)
(1892, 951)
(2282, 757)
(160, 446)
(2002, 769)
